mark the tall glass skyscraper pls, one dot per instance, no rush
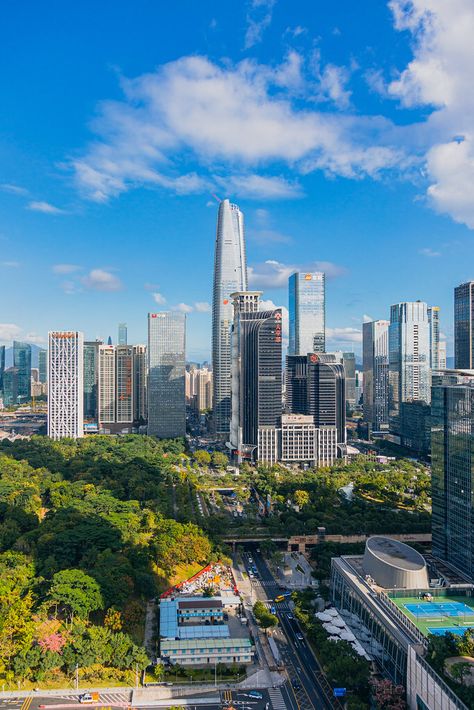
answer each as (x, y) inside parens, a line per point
(43, 365)
(463, 326)
(433, 320)
(409, 359)
(122, 334)
(375, 363)
(22, 361)
(2, 366)
(230, 275)
(307, 313)
(452, 463)
(166, 379)
(91, 384)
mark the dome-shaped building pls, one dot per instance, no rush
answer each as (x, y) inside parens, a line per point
(394, 565)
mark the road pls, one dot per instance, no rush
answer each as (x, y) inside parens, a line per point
(309, 687)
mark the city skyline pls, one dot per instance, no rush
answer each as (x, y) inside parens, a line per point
(357, 162)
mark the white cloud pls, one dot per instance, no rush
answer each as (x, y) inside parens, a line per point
(440, 77)
(202, 307)
(344, 335)
(102, 280)
(10, 264)
(45, 207)
(366, 318)
(259, 17)
(159, 298)
(65, 268)
(195, 109)
(332, 85)
(70, 287)
(429, 252)
(9, 332)
(183, 308)
(274, 274)
(13, 189)
(35, 338)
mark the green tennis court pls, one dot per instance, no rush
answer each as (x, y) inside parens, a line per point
(442, 614)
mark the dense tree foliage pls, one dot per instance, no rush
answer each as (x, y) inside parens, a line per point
(86, 536)
(440, 648)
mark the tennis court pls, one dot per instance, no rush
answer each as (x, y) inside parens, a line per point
(434, 609)
(458, 630)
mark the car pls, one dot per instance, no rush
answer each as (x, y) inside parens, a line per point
(300, 636)
(290, 616)
(295, 683)
(255, 694)
(89, 698)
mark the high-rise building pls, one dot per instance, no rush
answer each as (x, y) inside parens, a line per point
(433, 322)
(10, 387)
(122, 334)
(463, 326)
(442, 355)
(202, 381)
(409, 359)
(166, 380)
(91, 384)
(375, 364)
(106, 400)
(124, 384)
(34, 375)
(230, 275)
(349, 362)
(452, 463)
(65, 384)
(43, 365)
(22, 361)
(256, 378)
(307, 313)
(2, 366)
(140, 374)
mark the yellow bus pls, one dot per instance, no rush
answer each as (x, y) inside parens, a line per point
(280, 598)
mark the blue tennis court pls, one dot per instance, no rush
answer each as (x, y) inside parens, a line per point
(433, 609)
(440, 631)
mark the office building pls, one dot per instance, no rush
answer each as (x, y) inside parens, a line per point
(256, 379)
(2, 366)
(22, 361)
(230, 275)
(140, 375)
(201, 388)
(307, 313)
(433, 323)
(122, 334)
(166, 379)
(10, 387)
(34, 375)
(91, 385)
(349, 362)
(124, 384)
(463, 326)
(106, 400)
(43, 365)
(375, 366)
(442, 355)
(65, 384)
(359, 388)
(452, 462)
(409, 358)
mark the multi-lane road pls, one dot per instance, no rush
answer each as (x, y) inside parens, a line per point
(308, 688)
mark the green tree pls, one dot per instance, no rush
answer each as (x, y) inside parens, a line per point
(301, 498)
(461, 670)
(202, 457)
(219, 460)
(75, 593)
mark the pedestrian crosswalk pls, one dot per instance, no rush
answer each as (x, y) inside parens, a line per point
(12, 703)
(105, 698)
(280, 606)
(276, 699)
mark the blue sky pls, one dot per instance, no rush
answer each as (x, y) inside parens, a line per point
(343, 130)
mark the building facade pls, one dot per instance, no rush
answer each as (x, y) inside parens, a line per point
(2, 366)
(124, 384)
(375, 366)
(463, 326)
(256, 378)
(230, 275)
(442, 355)
(166, 378)
(65, 384)
(22, 361)
(433, 322)
(307, 313)
(452, 457)
(106, 400)
(91, 385)
(409, 360)
(10, 387)
(140, 370)
(122, 334)
(43, 365)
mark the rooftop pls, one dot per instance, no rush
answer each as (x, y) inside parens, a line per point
(395, 553)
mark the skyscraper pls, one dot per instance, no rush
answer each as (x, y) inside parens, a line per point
(166, 366)
(256, 378)
(230, 275)
(375, 364)
(43, 365)
(106, 400)
(442, 354)
(22, 361)
(65, 384)
(91, 384)
(409, 359)
(124, 396)
(433, 321)
(349, 362)
(140, 375)
(122, 334)
(307, 313)
(452, 463)
(10, 387)
(463, 326)
(2, 367)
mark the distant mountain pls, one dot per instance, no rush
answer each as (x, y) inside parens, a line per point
(34, 355)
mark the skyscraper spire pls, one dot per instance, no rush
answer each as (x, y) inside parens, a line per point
(230, 275)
